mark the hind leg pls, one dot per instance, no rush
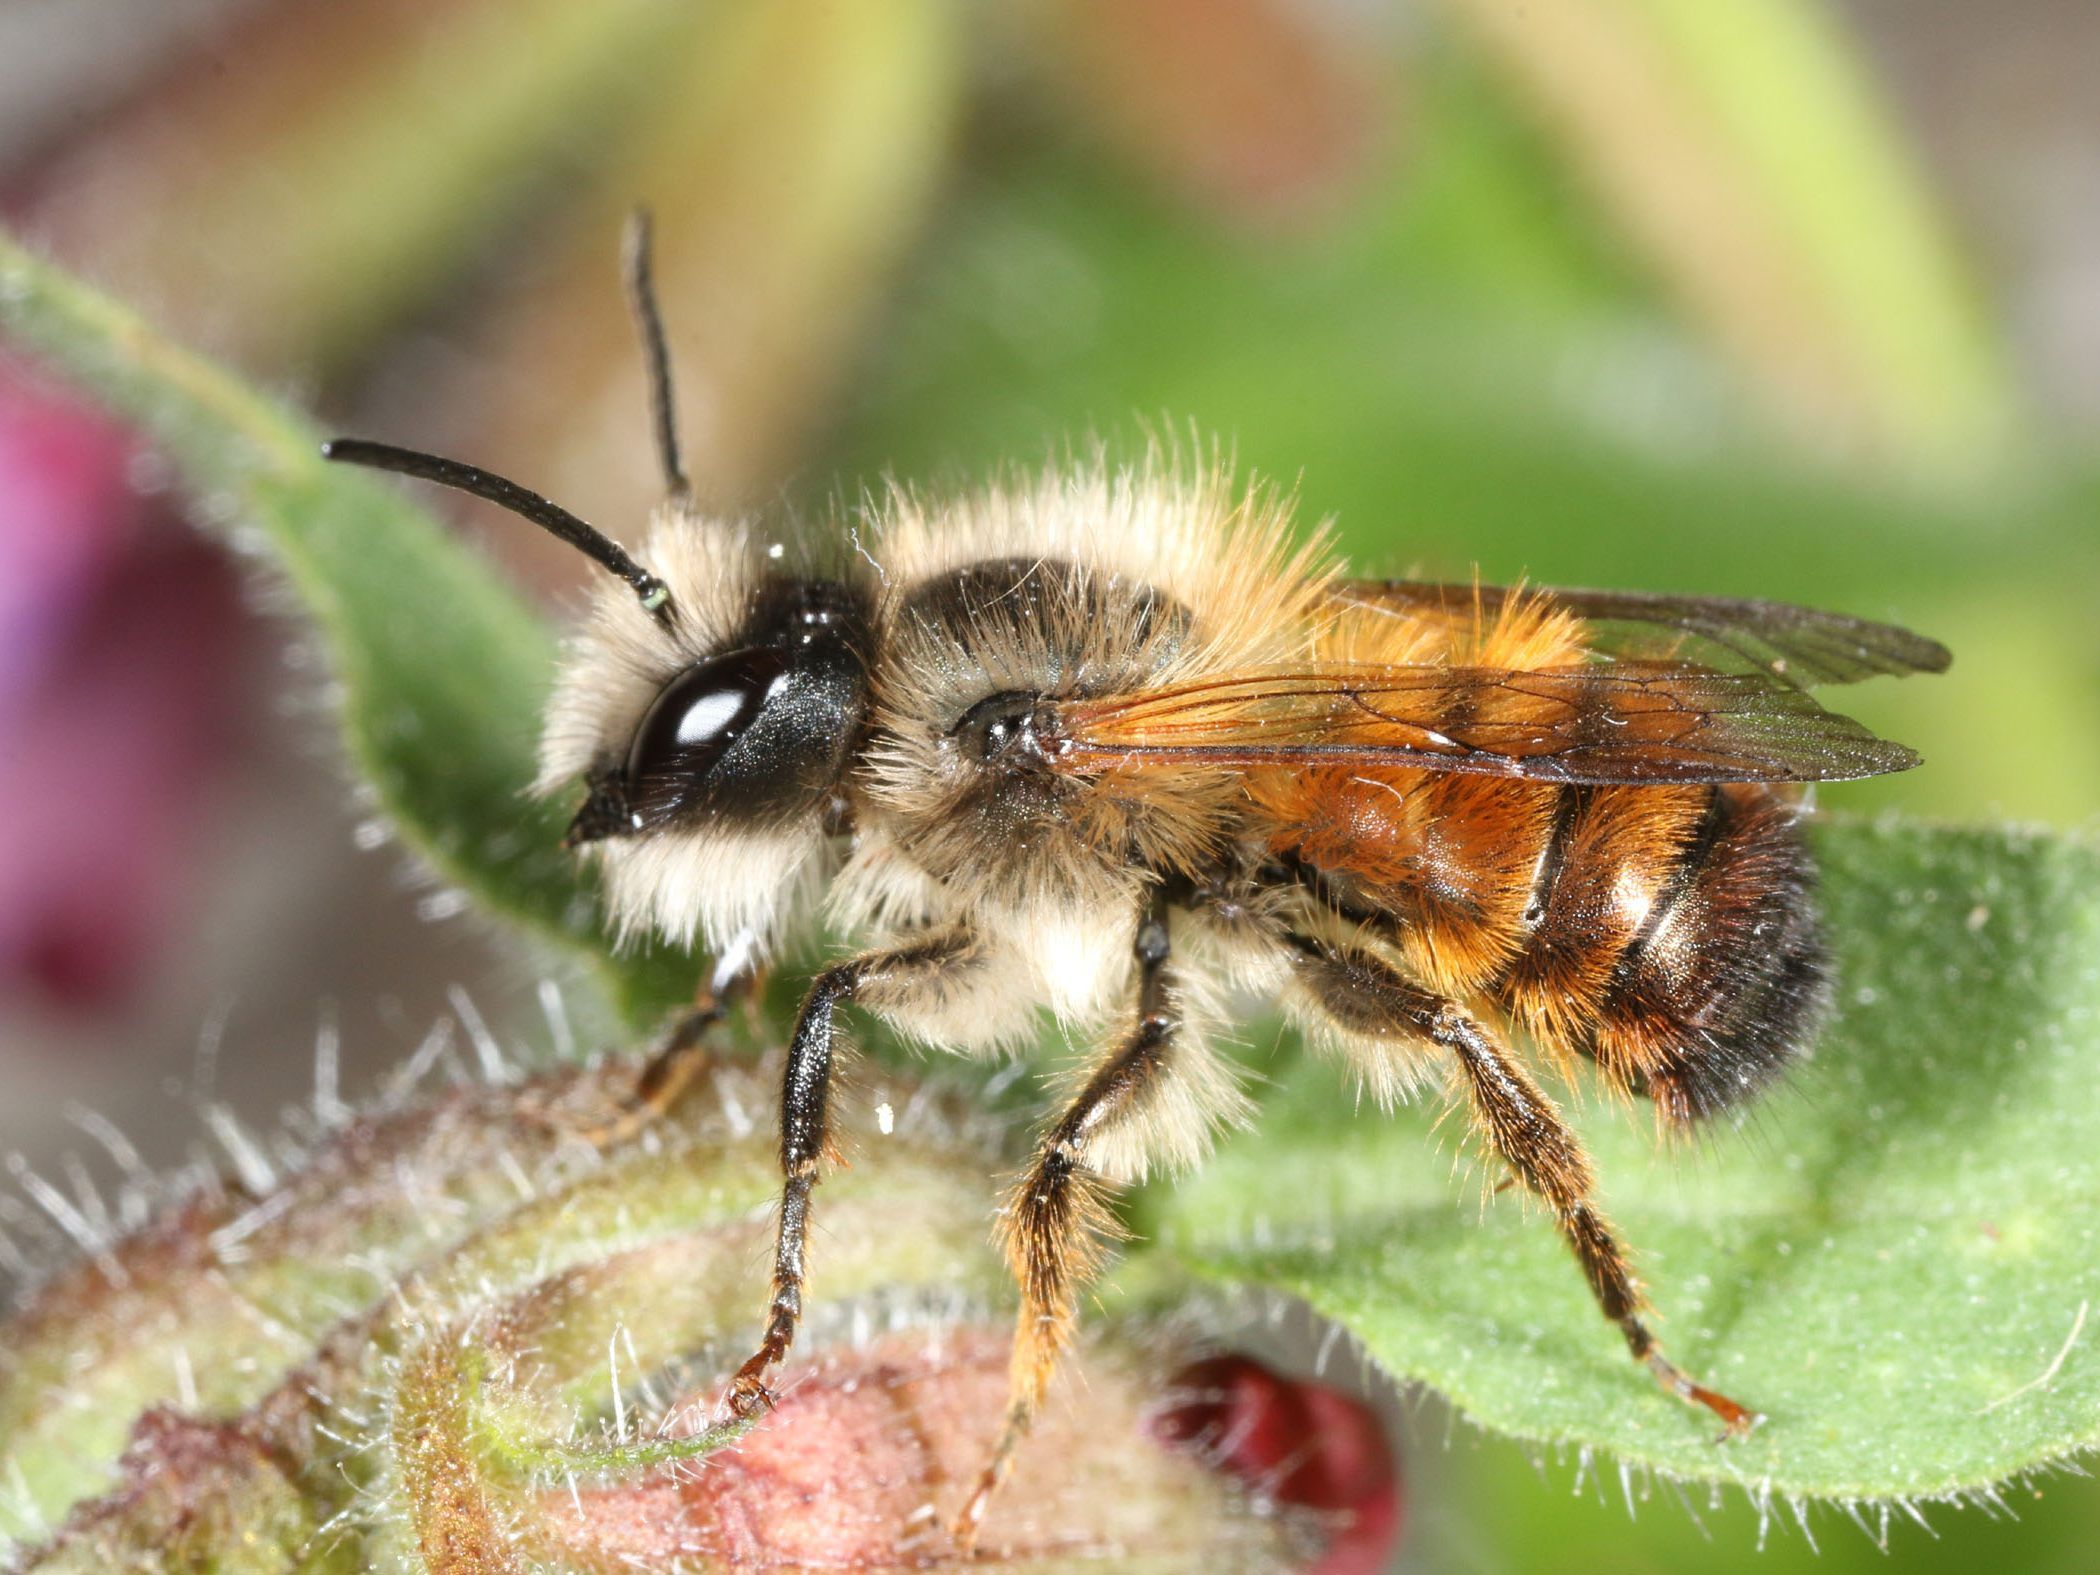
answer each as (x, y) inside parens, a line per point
(1366, 995)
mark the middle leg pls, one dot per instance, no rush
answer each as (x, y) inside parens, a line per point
(1364, 994)
(1057, 1215)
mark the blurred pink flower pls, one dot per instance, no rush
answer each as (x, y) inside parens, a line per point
(118, 629)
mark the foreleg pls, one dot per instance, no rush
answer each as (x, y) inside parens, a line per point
(686, 1051)
(805, 1126)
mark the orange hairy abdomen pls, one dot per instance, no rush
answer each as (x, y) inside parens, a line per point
(1667, 931)
(1451, 857)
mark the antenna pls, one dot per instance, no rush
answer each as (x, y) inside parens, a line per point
(649, 323)
(550, 517)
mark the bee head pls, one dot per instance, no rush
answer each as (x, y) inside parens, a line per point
(712, 745)
(756, 734)
(710, 701)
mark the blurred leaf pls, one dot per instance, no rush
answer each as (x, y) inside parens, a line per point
(441, 670)
(1271, 113)
(1889, 1261)
(326, 170)
(1513, 424)
(789, 161)
(1740, 148)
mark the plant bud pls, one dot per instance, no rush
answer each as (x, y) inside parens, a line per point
(458, 1336)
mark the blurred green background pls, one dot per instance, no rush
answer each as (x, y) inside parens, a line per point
(1746, 297)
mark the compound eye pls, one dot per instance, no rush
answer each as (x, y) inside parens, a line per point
(695, 722)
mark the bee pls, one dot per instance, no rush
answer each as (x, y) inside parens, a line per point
(1116, 743)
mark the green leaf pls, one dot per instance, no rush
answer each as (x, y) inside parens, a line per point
(1898, 1258)
(441, 668)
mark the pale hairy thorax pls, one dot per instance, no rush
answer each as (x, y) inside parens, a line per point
(1156, 574)
(1169, 534)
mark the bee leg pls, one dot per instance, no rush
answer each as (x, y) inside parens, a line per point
(805, 1127)
(1365, 994)
(684, 1053)
(1058, 1214)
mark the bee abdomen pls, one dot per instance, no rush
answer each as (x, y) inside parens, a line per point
(1678, 944)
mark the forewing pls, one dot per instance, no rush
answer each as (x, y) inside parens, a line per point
(1797, 646)
(1624, 722)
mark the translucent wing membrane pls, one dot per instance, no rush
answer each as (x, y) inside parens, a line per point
(1797, 646)
(1613, 722)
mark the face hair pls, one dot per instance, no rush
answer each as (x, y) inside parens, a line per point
(550, 517)
(649, 323)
